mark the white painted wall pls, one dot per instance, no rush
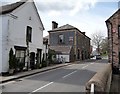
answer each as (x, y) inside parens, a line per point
(5, 47)
(0, 44)
(66, 58)
(14, 31)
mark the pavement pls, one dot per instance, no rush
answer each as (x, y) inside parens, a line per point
(4, 79)
(115, 84)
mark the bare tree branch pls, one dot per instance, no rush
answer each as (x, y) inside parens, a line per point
(97, 39)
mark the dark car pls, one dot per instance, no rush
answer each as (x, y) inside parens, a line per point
(98, 57)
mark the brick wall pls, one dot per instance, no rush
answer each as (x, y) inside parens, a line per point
(113, 40)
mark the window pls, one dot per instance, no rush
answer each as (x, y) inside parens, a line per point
(61, 39)
(20, 55)
(29, 34)
(119, 31)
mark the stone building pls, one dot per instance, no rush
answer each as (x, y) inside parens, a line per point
(69, 42)
(113, 26)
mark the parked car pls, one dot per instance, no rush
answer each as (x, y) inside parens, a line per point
(98, 57)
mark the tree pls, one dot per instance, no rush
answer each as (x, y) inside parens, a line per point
(51, 54)
(97, 38)
(12, 60)
(104, 45)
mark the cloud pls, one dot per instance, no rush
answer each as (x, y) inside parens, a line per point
(73, 6)
(54, 13)
(82, 6)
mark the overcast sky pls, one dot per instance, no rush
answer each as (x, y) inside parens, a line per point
(87, 15)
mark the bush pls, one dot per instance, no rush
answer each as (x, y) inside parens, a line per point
(12, 60)
(44, 64)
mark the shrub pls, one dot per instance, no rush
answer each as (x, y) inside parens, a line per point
(12, 60)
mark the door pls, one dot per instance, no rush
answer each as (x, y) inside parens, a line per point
(32, 60)
(78, 55)
(39, 54)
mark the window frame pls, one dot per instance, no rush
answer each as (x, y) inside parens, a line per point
(59, 38)
(29, 34)
(20, 57)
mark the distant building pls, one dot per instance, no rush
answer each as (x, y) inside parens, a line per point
(113, 26)
(22, 30)
(69, 42)
(45, 48)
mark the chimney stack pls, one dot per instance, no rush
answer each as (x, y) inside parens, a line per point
(54, 25)
(83, 33)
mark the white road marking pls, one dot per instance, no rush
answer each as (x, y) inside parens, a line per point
(84, 67)
(69, 74)
(41, 87)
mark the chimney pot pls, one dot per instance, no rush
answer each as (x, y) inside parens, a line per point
(54, 25)
(83, 33)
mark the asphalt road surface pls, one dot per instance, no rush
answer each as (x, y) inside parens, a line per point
(71, 78)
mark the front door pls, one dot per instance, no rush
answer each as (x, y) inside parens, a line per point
(32, 60)
(39, 52)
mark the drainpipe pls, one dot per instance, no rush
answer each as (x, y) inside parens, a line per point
(28, 58)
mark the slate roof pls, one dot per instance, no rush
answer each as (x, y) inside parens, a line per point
(10, 7)
(61, 49)
(67, 27)
(64, 27)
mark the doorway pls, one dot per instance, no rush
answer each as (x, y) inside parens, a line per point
(32, 60)
(39, 54)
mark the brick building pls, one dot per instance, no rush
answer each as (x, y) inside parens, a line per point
(69, 42)
(113, 26)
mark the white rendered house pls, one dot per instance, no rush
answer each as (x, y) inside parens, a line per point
(21, 22)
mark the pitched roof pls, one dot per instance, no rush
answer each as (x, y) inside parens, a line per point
(61, 49)
(67, 27)
(64, 27)
(10, 7)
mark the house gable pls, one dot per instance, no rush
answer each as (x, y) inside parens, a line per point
(35, 11)
(16, 7)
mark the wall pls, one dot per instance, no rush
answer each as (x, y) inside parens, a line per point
(14, 28)
(18, 36)
(113, 39)
(5, 47)
(66, 58)
(83, 44)
(67, 34)
(0, 44)
(80, 42)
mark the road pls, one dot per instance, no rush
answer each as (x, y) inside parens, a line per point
(71, 78)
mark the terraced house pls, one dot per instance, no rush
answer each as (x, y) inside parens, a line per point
(113, 26)
(22, 30)
(69, 42)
